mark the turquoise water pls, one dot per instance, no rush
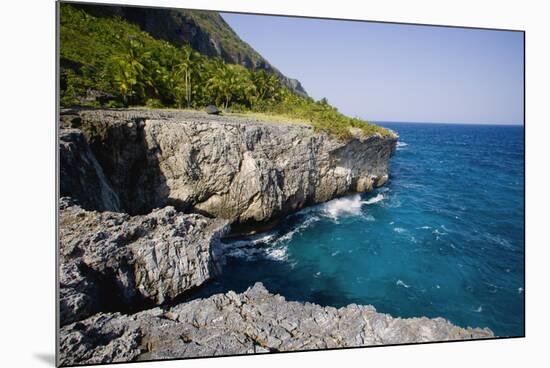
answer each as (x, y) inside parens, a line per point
(444, 237)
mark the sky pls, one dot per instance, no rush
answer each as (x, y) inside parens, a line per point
(395, 72)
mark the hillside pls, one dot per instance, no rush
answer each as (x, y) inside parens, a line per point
(205, 31)
(106, 61)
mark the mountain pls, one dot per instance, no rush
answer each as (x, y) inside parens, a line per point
(205, 31)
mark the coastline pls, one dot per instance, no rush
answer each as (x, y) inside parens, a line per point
(153, 241)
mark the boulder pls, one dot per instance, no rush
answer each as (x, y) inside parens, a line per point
(212, 110)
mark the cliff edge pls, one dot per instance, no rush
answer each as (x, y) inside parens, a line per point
(246, 171)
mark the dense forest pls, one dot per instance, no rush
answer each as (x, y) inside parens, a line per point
(108, 62)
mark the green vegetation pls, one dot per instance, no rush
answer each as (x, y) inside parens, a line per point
(108, 62)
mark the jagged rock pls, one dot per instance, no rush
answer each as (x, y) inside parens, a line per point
(79, 294)
(243, 170)
(103, 338)
(81, 175)
(251, 322)
(113, 261)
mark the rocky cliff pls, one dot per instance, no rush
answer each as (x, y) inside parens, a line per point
(115, 262)
(246, 171)
(255, 321)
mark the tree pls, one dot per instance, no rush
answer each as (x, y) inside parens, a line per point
(127, 72)
(267, 85)
(182, 78)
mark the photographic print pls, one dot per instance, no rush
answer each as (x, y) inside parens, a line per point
(234, 184)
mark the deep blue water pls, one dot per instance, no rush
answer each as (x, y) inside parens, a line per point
(444, 237)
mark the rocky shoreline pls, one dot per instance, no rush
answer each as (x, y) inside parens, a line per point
(146, 197)
(254, 321)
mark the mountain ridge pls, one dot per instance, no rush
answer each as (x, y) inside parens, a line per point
(204, 30)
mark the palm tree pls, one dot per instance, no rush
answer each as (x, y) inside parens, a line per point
(183, 77)
(127, 72)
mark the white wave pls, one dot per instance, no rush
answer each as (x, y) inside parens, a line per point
(479, 309)
(252, 240)
(251, 252)
(335, 253)
(276, 254)
(343, 206)
(424, 227)
(400, 145)
(399, 230)
(376, 199)
(271, 245)
(520, 290)
(401, 283)
(304, 225)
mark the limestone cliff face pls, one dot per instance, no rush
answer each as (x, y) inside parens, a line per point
(245, 171)
(113, 261)
(81, 175)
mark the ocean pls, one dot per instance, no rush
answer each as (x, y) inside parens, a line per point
(443, 238)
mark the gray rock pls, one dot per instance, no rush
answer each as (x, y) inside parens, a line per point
(212, 110)
(247, 171)
(78, 293)
(103, 338)
(113, 261)
(252, 322)
(81, 176)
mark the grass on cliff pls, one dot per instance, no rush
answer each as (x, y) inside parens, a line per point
(108, 62)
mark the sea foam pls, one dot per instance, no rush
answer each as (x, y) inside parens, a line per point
(401, 145)
(343, 206)
(401, 283)
(376, 199)
(272, 245)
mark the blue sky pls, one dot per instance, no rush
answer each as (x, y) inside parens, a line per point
(388, 72)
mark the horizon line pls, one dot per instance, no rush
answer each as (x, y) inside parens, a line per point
(443, 122)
